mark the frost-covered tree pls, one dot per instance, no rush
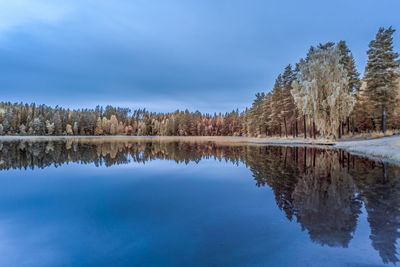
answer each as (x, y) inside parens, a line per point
(381, 76)
(50, 127)
(37, 126)
(22, 129)
(320, 90)
(348, 62)
(75, 128)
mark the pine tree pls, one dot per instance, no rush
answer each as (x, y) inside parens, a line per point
(266, 112)
(348, 63)
(381, 75)
(276, 105)
(288, 112)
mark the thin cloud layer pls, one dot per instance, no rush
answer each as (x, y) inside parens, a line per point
(187, 53)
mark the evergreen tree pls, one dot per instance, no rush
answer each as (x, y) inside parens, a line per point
(348, 63)
(276, 105)
(288, 112)
(381, 76)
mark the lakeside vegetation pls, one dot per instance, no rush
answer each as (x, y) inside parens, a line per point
(322, 95)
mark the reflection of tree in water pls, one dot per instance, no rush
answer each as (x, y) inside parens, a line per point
(324, 201)
(379, 188)
(312, 185)
(17, 155)
(322, 189)
(276, 167)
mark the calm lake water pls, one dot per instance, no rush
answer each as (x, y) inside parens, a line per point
(99, 203)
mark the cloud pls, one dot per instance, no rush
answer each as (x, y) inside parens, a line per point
(206, 55)
(17, 14)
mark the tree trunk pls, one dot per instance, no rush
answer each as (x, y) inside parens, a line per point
(284, 121)
(297, 129)
(305, 128)
(342, 125)
(293, 132)
(280, 130)
(348, 125)
(352, 125)
(383, 119)
(313, 126)
(339, 131)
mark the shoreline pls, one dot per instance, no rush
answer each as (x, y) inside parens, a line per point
(385, 149)
(219, 139)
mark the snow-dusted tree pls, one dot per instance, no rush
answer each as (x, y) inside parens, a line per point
(75, 128)
(50, 127)
(348, 62)
(320, 90)
(22, 129)
(37, 126)
(381, 75)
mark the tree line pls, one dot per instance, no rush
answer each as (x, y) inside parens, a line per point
(29, 119)
(322, 94)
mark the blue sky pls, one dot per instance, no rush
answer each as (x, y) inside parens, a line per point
(163, 55)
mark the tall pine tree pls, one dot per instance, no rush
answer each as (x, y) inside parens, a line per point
(276, 106)
(288, 106)
(381, 76)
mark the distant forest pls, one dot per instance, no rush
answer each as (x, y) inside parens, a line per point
(322, 94)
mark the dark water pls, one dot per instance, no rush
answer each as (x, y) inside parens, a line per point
(194, 204)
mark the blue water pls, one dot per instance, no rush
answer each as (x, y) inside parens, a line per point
(158, 213)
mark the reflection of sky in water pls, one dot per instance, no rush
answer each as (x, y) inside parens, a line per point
(157, 213)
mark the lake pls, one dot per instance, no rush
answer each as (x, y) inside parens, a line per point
(172, 203)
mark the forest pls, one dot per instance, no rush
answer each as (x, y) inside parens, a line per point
(321, 95)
